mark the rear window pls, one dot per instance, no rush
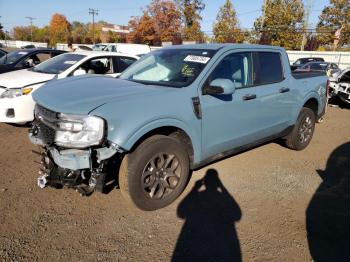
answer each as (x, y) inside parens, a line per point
(267, 68)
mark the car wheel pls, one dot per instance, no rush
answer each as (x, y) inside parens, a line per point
(303, 130)
(155, 174)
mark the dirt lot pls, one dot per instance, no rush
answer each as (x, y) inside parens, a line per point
(263, 207)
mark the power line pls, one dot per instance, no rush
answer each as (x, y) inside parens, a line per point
(93, 12)
(31, 26)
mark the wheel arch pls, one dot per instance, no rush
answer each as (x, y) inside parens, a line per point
(175, 129)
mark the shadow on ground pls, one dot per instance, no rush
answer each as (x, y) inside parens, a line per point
(209, 232)
(328, 214)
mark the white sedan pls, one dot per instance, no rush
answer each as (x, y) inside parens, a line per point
(16, 102)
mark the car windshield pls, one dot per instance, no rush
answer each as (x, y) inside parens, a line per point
(58, 64)
(13, 57)
(169, 67)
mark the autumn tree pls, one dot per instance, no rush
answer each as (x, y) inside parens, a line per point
(161, 21)
(142, 30)
(191, 18)
(282, 25)
(79, 31)
(167, 19)
(226, 28)
(60, 29)
(332, 18)
(21, 33)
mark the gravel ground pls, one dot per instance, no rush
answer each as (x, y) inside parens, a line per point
(267, 204)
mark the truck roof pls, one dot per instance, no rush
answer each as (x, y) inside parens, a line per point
(220, 46)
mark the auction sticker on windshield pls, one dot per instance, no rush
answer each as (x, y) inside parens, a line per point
(197, 59)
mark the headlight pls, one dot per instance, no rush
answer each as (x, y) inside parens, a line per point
(15, 92)
(79, 131)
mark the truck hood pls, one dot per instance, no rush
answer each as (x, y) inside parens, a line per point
(25, 77)
(82, 94)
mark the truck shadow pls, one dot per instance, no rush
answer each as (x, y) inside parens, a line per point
(328, 213)
(209, 232)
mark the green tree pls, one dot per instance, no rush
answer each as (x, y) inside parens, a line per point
(226, 29)
(2, 33)
(333, 17)
(283, 24)
(79, 32)
(191, 18)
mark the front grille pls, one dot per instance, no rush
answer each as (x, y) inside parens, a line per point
(46, 114)
(44, 124)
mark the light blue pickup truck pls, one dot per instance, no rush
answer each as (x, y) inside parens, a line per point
(175, 110)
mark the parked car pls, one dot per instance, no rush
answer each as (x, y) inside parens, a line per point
(302, 61)
(135, 49)
(99, 47)
(16, 102)
(176, 109)
(30, 46)
(82, 48)
(27, 58)
(2, 53)
(329, 68)
(340, 85)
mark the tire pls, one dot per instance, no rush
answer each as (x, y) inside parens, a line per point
(155, 174)
(303, 130)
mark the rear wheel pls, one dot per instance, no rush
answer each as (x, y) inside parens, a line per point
(155, 174)
(303, 130)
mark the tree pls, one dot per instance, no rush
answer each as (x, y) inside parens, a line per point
(60, 29)
(332, 18)
(143, 30)
(167, 19)
(161, 21)
(21, 33)
(226, 29)
(2, 33)
(283, 24)
(79, 32)
(190, 10)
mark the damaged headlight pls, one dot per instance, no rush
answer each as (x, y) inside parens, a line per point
(77, 131)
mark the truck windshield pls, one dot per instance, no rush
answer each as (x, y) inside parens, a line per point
(169, 67)
(58, 64)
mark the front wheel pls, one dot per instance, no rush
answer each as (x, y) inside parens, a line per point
(155, 174)
(303, 130)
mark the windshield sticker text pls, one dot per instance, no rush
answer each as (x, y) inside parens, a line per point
(197, 59)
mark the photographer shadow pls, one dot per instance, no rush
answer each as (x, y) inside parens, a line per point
(328, 213)
(209, 232)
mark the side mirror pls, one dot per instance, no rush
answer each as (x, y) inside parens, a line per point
(79, 72)
(220, 86)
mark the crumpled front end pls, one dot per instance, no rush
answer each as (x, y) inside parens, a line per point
(75, 152)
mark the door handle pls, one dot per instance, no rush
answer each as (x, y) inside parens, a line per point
(284, 90)
(249, 97)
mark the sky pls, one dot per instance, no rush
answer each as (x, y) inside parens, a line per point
(13, 12)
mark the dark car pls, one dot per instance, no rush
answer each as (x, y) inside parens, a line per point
(302, 61)
(320, 67)
(26, 58)
(2, 53)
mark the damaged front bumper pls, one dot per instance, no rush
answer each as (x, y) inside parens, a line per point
(82, 169)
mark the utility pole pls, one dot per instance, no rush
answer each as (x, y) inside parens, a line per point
(31, 26)
(306, 23)
(93, 12)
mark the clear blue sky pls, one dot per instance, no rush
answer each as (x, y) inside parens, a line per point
(13, 12)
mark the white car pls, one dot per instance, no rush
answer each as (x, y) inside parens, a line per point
(16, 102)
(135, 49)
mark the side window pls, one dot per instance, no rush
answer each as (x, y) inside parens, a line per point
(124, 63)
(101, 65)
(237, 67)
(30, 61)
(43, 56)
(267, 68)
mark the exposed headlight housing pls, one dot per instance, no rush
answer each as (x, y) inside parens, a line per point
(76, 131)
(16, 92)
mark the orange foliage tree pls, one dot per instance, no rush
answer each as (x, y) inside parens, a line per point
(60, 29)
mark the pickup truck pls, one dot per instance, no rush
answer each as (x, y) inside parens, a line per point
(175, 110)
